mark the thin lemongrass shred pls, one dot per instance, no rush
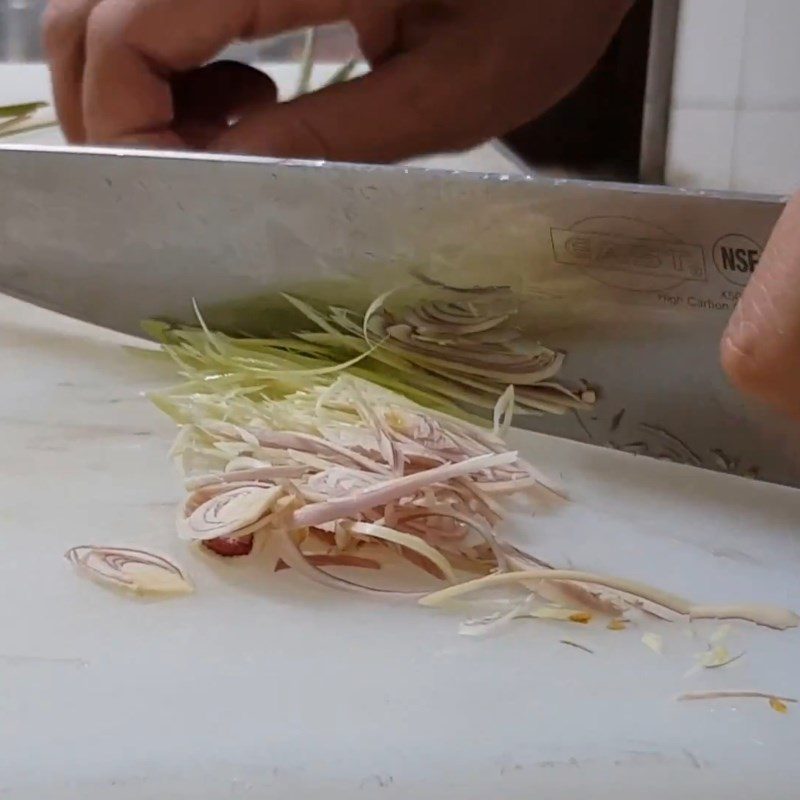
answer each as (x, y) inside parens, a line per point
(293, 556)
(717, 657)
(767, 616)
(577, 646)
(414, 543)
(733, 694)
(343, 73)
(312, 314)
(504, 412)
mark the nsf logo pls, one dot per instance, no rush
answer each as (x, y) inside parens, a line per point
(736, 257)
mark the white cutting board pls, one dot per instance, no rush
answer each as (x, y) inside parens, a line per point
(266, 686)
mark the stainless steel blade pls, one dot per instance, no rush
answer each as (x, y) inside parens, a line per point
(634, 283)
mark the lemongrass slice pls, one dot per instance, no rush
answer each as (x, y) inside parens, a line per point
(768, 616)
(654, 642)
(133, 570)
(234, 513)
(404, 540)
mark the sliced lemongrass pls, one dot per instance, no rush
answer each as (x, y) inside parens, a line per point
(334, 560)
(343, 73)
(716, 657)
(654, 642)
(768, 616)
(21, 109)
(307, 61)
(720, 634)
(559, 613)
(491, 624)
(504, 412)
(233, 513)
(393, 489)
(134, 570)
(732, 694)
(293, 556)
(404, 540)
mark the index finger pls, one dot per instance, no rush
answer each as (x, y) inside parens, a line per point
(134, 48)
(761, 347)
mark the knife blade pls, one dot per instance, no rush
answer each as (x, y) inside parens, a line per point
(634, 283)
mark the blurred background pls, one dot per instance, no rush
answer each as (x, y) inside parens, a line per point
(695, 93)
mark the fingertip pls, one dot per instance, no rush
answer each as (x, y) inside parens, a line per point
(738, 362)
(757, 364)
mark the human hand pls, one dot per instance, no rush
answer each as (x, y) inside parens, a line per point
(447, 74)
(761, 347)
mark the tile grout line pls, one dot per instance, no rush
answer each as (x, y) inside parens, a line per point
(733, 171)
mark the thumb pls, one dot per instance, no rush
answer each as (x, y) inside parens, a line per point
(406, 107)
(761, 347)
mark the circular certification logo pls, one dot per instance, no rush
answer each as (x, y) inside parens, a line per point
(736, 257)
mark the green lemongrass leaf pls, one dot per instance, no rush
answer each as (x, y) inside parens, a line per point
(307, 61)
(157, 330)
(343, 73)
(311, 313)
(14, 131)
(21, 109)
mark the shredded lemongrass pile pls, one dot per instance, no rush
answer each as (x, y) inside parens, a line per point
(327, 470)
(330, 469)
(458, 354)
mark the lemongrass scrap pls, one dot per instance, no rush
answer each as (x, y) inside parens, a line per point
(137, 571)
(778, 705)
(777, 702)
(557, 613)
(768, 616)
(654, 642)
(717, 656)
(720, 634)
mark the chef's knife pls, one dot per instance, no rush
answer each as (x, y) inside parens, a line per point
(634, 283)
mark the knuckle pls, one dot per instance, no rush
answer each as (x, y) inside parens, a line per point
(62, 24)
(107, 23)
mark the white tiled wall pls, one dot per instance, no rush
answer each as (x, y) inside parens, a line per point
(735, 121)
